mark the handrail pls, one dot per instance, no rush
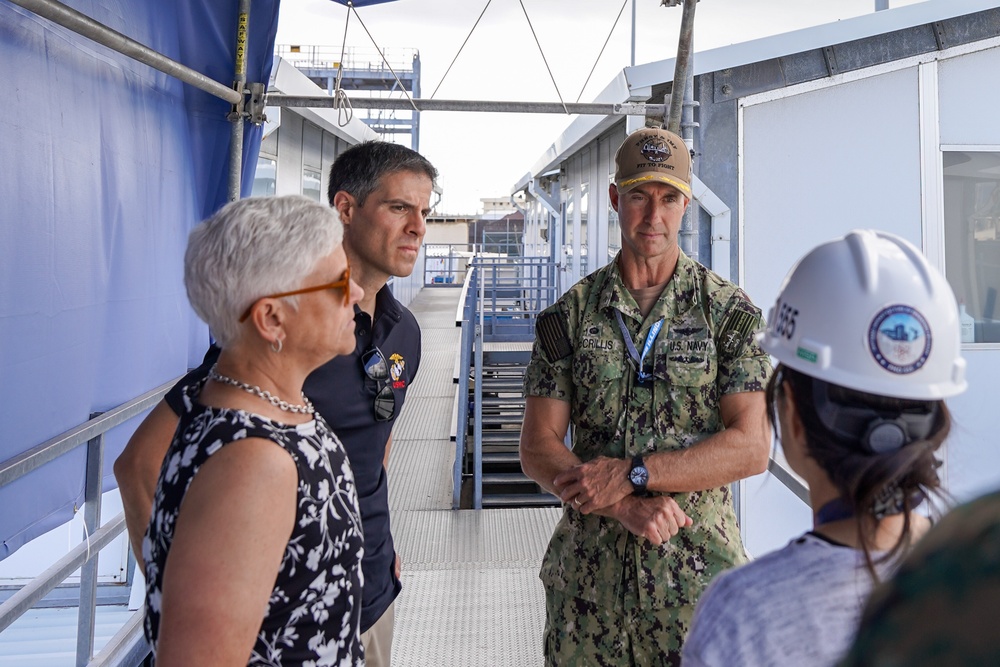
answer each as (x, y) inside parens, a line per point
(32, 593)
(466, 311)
(127, 647)
(789, 479)
(20, 465)
(460, 314)
(84, 555)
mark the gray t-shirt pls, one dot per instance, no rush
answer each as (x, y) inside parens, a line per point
(796, 606)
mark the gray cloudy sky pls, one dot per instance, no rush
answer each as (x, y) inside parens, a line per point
(484, 154)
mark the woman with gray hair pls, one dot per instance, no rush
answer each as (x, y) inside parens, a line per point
(254, 548)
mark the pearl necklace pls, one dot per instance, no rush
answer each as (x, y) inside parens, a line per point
(307, 409)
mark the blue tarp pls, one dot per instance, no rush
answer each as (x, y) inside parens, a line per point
(107, 164)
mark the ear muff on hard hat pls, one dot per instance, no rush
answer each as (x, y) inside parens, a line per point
(869, 313)
(878, 431)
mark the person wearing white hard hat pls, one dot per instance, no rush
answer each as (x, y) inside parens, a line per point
(866, 335)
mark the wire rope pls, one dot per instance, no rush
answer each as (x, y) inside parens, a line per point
(375, 44)
(618, 18)
(460, 48)
(544, 60)
(342, 102)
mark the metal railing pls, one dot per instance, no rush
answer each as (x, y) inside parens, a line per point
(789, 479)
(465, 318)
(354, 58)
(512, 291)
(446, 264)
(85, 555)
(501, 300)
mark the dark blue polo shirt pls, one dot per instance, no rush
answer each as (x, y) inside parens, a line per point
(344, 395)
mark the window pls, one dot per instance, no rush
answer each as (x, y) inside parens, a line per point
(972, 239)
(263, 177)
(312, 183)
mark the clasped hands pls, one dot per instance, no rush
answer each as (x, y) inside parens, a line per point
(601, 486)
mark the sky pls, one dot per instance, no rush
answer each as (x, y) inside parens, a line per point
(484, 154)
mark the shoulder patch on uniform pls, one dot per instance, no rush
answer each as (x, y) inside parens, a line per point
(550, 329)
(736, 331)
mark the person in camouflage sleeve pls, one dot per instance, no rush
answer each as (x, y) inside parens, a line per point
(942, 605)
(653, 360)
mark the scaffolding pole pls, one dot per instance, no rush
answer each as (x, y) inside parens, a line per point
(325, 101)
(236, 116)
(684, 43)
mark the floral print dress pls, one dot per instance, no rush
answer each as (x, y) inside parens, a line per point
(314, 612)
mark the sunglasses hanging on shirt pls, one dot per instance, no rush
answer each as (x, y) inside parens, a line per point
(377, 369)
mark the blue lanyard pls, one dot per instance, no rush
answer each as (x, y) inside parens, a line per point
(654, 331)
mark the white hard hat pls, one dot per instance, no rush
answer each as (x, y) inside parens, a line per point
(869, 313)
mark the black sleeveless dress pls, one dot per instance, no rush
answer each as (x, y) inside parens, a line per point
(314, 612)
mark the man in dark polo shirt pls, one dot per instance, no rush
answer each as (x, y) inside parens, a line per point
(382, 192)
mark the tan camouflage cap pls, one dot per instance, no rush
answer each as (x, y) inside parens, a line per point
(653, 155)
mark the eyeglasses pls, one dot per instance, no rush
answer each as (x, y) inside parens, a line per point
(344, 283)
(377, 369)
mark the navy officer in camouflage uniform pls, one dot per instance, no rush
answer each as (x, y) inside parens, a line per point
(653, 360)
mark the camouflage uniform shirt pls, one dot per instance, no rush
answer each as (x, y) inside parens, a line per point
(705, 350)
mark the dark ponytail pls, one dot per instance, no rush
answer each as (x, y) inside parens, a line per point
(872, 484)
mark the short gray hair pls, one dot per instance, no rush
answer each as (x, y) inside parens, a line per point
(251, 248)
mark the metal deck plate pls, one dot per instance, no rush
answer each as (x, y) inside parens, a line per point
(424, 417)
(469, 618)
(419, 476)
(471, 595)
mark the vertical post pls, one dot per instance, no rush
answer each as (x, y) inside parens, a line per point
(881, 4)
(88, 573)
(415, 87)
(689, 237)
(236, 115)
(477, 415)
(681, 66)
(632, 62)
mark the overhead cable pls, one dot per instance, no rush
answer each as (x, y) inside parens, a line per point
(401, 86)
(554, 84)
(345, 112)
(618, 18)
(460, 48)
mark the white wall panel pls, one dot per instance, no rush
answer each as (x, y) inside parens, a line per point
(970, 101)
(819, 164)
(814, 166)
(289, 177)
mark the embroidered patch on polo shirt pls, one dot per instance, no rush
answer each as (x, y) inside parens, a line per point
(397, 367)
(553, 336)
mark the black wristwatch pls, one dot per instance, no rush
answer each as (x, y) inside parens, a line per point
(638, 475)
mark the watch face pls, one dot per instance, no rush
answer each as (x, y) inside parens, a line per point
(639, 476)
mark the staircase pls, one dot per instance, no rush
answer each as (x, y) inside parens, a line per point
(496, 348)
(504, 484)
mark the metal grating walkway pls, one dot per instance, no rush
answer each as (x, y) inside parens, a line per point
(471, 595)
